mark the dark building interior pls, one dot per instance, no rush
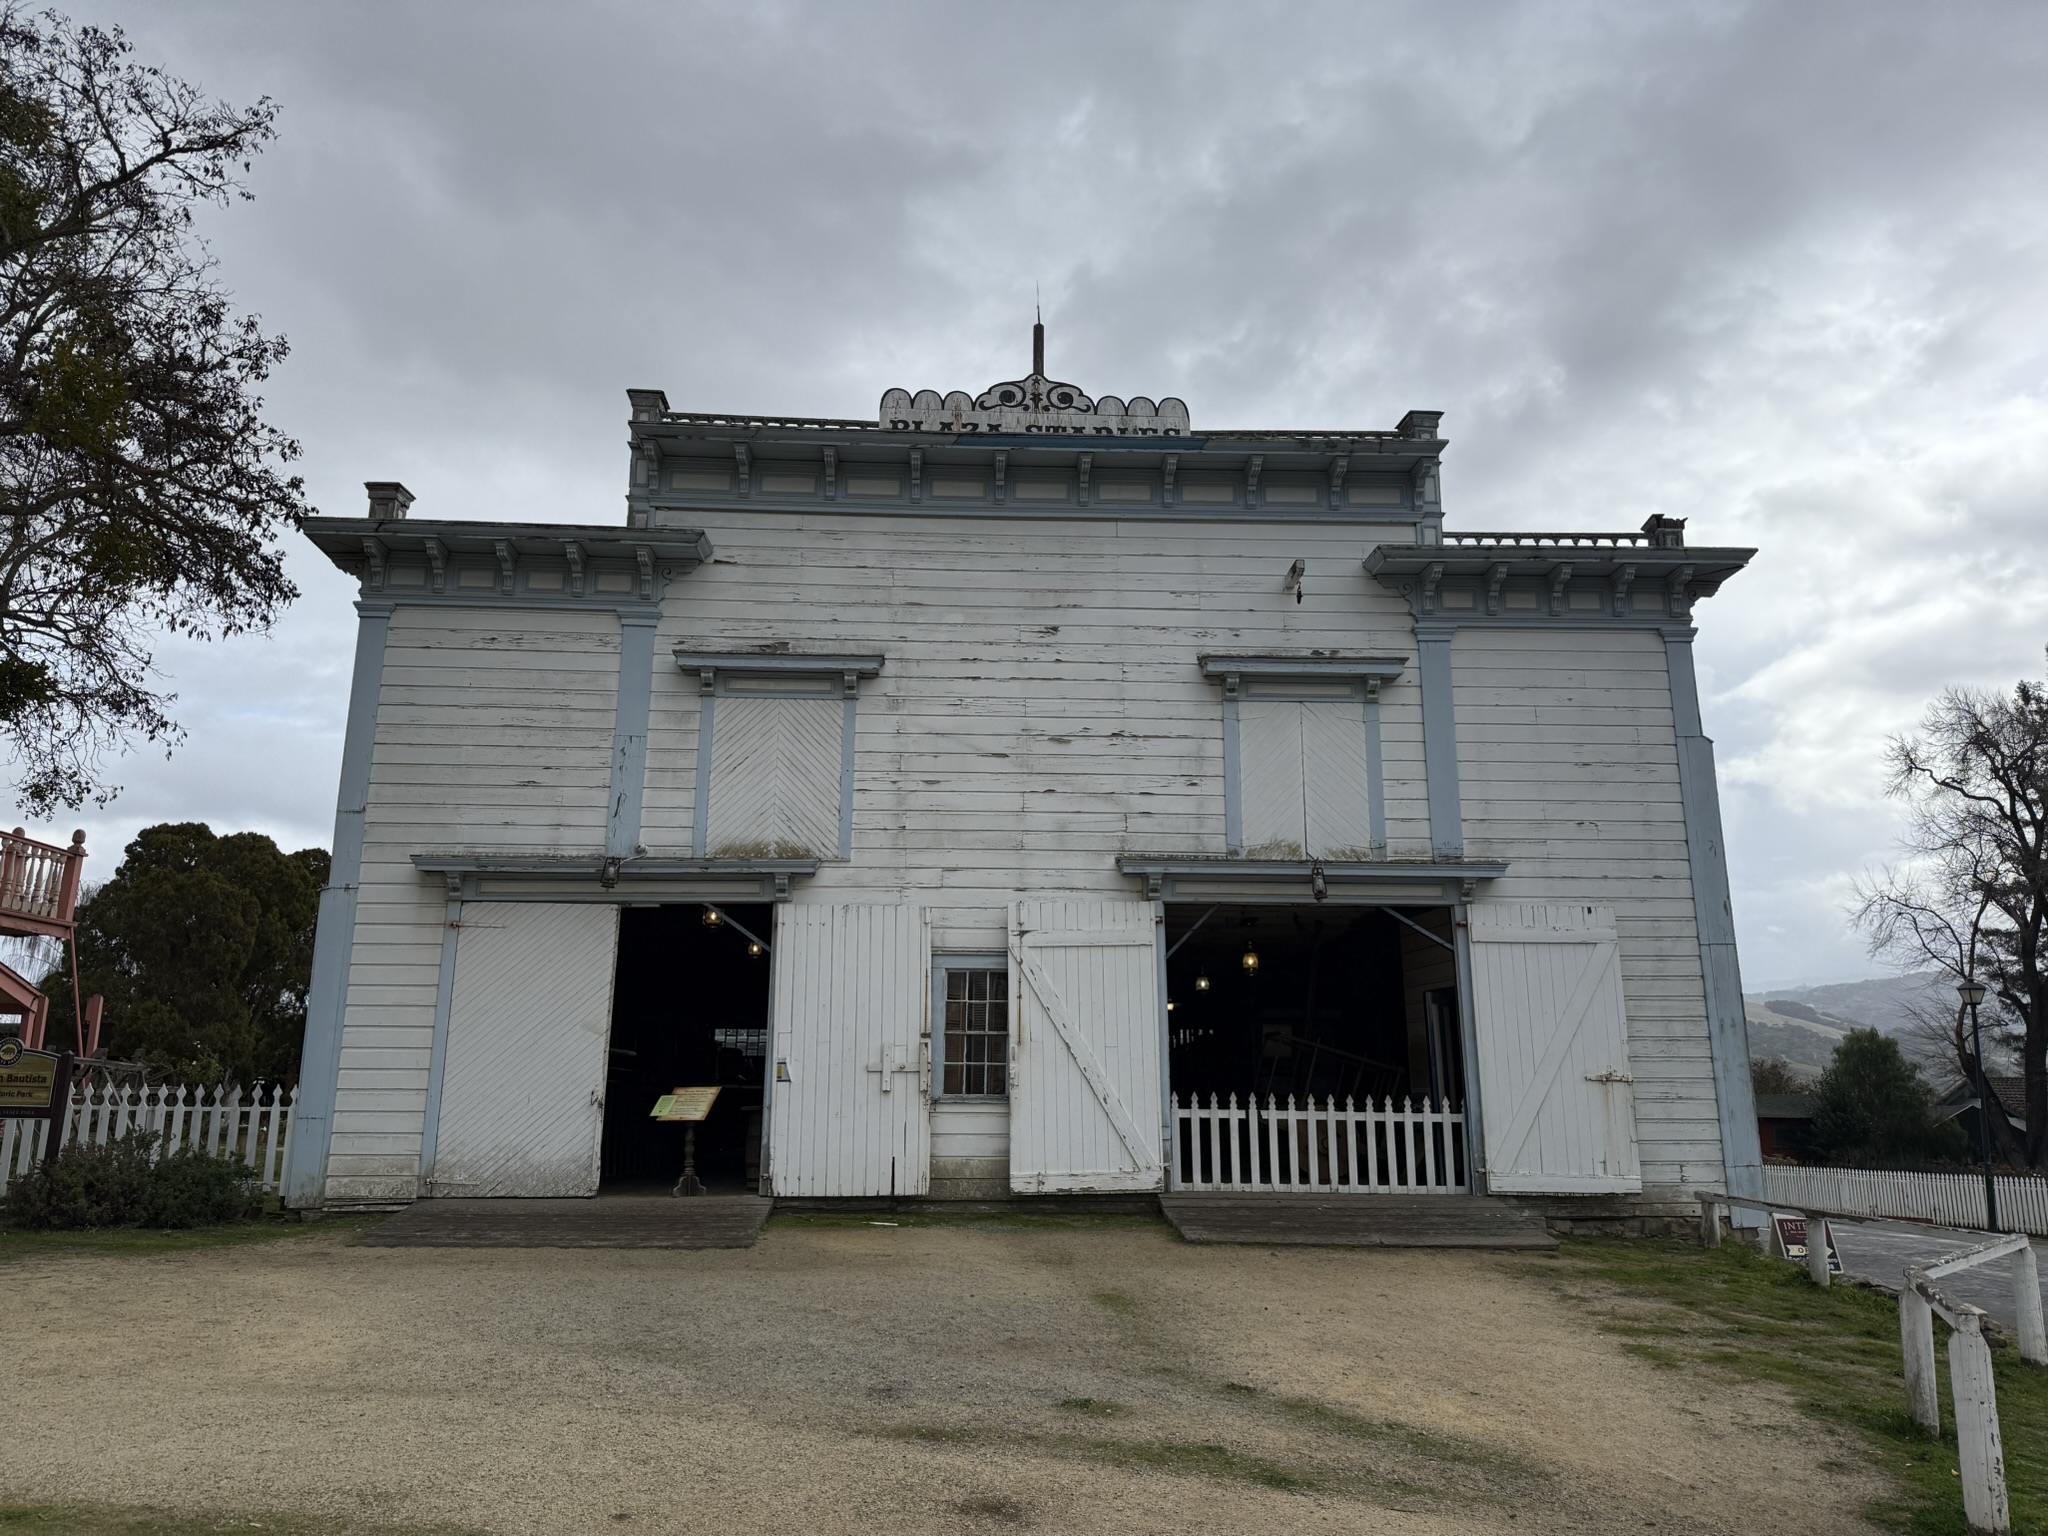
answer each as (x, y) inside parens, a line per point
(689, 1010)
(1308, 1001)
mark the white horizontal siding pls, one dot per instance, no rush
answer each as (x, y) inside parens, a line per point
(1568, 769)
(494, 730)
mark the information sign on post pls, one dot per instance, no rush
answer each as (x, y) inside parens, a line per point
(688, 1107)
(35, 1085)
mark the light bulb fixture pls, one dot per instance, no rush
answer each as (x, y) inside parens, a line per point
(1202, 981)
(712, 918)
(1169, 1005)
(754, 948)
(1251, 959)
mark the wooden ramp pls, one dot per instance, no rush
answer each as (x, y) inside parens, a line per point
(1355, 1221)
(610, 1221)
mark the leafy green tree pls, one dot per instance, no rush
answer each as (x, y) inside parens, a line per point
(1871, 1109)
(1772, 1074)
(202, 947)
(140, 488)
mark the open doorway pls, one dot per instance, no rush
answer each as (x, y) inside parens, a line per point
(1316, 1002)
(690, 1010)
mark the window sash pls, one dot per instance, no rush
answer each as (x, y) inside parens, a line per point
(972, 1039)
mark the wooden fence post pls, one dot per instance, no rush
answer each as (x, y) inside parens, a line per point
(2026, 1288)
(1916, 1342)
(1979, 1451)
(1817, 1249)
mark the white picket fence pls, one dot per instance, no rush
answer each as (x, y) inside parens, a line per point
(252, 1124)
(1947, 1199)
(1377, 1150)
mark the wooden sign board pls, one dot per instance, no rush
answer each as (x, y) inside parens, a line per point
(28, 1080)
(687, 1104)
(1792, 1241)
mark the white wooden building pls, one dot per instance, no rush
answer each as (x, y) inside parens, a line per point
(991, 795)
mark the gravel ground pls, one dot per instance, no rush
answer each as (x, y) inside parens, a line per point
(982, 1377)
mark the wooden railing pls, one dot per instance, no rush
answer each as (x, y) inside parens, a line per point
(39, 884)
(1375, 1150)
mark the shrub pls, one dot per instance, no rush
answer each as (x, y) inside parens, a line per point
(1872, 1110)
(125, 1184)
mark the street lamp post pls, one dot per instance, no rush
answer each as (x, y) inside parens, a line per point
(1971, 991)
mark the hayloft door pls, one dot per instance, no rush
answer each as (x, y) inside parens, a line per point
(522, 1095)
(848, 1112)
(1553, 1058)
(1084, 1082)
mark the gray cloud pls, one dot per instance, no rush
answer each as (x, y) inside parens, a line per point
(1774, 268)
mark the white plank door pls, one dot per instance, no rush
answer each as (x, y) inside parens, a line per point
(1304, 785)
(775, 777)
(851, 993)
(1554, 1079)
(522, 1088)
(1084, 1077)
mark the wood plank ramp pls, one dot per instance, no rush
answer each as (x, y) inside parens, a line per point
(1355, 1221)
(610, 1221)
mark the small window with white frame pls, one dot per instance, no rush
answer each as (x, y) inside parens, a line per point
(971, 1043)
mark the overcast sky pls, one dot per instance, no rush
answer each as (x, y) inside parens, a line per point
(1781, 270)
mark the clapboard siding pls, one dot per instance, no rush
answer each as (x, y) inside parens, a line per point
(1039, 712)
(1568, 769)
(494, 730)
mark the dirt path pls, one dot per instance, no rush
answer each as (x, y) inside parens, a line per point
(965, 1378)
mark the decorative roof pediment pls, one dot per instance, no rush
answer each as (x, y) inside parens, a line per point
(1035, 403)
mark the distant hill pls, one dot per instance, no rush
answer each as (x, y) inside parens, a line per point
(1802, 1025)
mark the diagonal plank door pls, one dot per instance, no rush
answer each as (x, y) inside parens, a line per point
(1084, 1083)
(1554, 1076)
(522, 1097)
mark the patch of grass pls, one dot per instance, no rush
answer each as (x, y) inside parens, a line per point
(118, 1520)
(130, 1241)
(1094, 1407)
(1836, 1351)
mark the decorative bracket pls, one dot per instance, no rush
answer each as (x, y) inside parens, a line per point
(1172, 468)
(507, 565)
(1426, 484)
(1002, 478)
(645, 557)
(781, 886)
(1496, 578)
(1677, 597)
(1624, 578)
(1560, 578)
(1432, 574)
(1252, 467)
(831, 474)
(917, 474)
(574, 552)
(1339, 467)
(1233, 685)
(744, 460)
(1372, 690)
(437, 558)
(1086, 465)
(373, 552)
(849, 681)
(1155, 885)
(707, 679)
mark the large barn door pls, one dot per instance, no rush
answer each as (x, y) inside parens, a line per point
(522, 1086)
(1554, 1078)
(1084, 1083)
(849, 1013)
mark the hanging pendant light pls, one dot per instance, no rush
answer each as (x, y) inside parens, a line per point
(712, 918)
(1251, 959)
(1169, 1005)
(754, 948)
(1201, 981)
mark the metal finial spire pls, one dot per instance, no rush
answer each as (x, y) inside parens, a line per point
(1037, 333)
